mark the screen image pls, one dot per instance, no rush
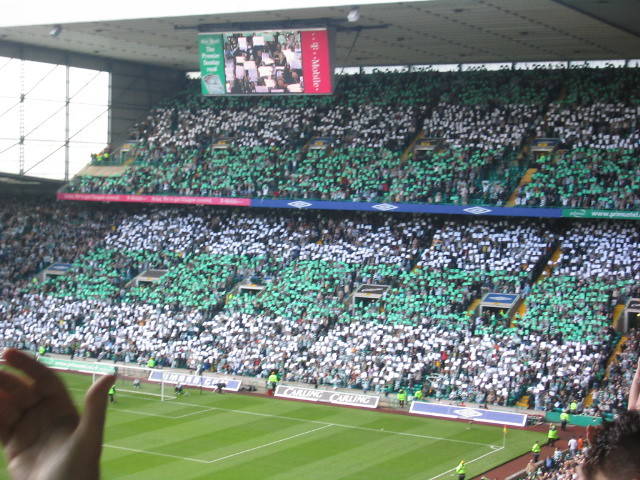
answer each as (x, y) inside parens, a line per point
(263, 63)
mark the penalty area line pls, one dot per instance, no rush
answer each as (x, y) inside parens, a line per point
(199, 460)
(269, 444)
(204, 409)
(158, 454)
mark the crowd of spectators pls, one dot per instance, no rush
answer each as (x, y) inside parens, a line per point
(598, 122)
(37, 233)
(585, 178)
(559, 466)
(613, 392)
(306, 323)
(482, 120)
(597, 269)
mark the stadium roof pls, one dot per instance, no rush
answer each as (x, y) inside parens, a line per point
(13, 185)
(422, 32)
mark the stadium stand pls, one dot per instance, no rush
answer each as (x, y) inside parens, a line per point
(484, 121)
(37, 233)
(509, 169)
(560, 468)
(597, 120)
(613, 391)
(574, 306)
(305, 319)
(246, 293)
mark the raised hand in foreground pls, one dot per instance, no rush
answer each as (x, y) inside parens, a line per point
(43, 435)
(634, 391)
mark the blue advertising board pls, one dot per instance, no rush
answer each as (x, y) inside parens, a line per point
(408, 208)
(500, 298)
(469, 414)
(59, 267)
(194, 380)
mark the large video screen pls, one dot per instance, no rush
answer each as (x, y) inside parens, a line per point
(265, 63)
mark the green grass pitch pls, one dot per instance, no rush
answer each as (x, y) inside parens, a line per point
(204, 435)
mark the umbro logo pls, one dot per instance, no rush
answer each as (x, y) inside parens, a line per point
(384, 207)
(299, 204)
(477, 210)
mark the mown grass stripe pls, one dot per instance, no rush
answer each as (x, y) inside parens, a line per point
(348, 444)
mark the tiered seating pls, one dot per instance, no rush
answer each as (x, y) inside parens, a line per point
(586, 177)
(200, 282)
(418, 334)
(574, 306)
(484, 119)
(612, 394)
(356, 173)
(103, 273)
(422, 316)
(598, 121)
(35, 233)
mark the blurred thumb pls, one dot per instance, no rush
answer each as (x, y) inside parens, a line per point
(95, 406)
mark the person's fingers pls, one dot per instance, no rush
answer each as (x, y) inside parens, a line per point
(41, 425)
(9, 415)
(95, 405)
(634, 391)
(46, 382)
(18, 388)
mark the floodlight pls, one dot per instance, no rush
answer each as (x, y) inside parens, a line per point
(353, 15)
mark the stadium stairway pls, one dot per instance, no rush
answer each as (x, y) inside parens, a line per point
(523, 402)
(526, 178)
(409, 150)
(617, 313)
(588, 401)
(546, 272)
(473, 306)
(614, 354)
(522, 309)
(548, 269)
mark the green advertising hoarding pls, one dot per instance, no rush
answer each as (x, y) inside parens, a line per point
(212, 75)
(78, 366)
(613, 214)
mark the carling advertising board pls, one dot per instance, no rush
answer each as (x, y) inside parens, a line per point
(334, 397)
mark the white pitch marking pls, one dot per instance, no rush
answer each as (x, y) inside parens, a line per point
(192, 413)
(149, 414)
(138, 412)
(155, 453)
(318, 422)
(354, 427)
(470, 461)
(269, 444)
(198, 460)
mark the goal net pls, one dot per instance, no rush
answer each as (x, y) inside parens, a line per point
(132, 379)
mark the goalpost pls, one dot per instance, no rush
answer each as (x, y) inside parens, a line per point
(129, 378)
